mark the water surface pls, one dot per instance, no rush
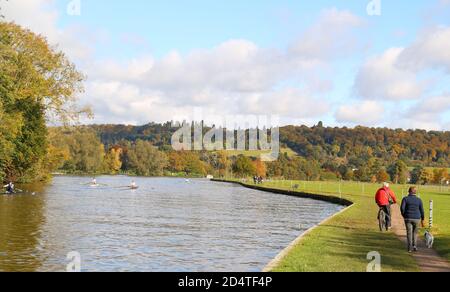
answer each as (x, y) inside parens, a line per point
(166, 225)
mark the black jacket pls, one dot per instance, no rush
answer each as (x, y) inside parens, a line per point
(412, 208)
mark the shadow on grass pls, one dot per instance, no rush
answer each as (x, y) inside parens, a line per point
(442, 245)
(335, 248)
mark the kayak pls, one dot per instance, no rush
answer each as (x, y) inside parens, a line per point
(13, 194)
(97, 185)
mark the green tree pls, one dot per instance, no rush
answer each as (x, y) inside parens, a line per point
(416, 174)
(36, 83)
(399, 172)
(9, 129)
(362, 174)
(244, 167)
(193, 165)
(86, 152)
(421, 175)
(146, 160)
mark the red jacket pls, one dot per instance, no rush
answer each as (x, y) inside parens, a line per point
(385, 196)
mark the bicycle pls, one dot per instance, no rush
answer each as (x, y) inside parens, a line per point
(382, 220)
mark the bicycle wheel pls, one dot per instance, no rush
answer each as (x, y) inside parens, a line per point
(382, 220)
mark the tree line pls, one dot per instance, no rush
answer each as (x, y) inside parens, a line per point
(80, 150)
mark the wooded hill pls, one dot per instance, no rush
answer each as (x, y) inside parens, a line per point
(324, 144)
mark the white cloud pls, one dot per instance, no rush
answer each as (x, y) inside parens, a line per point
(428, 113)
(380, 78)
(434, 105)
(330, 37)
(399, 74)
(430, 50)
(38, 15)
(367, 113)
(235, 77)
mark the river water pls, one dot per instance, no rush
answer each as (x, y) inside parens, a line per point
(166, 225)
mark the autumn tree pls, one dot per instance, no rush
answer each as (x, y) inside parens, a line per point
(112, 161)
(193, 164)
(261, 169)
(37, 83)
(440, 175)
(244, 167)
(86, 152)
(426, 177)
(146, 160)
(382, 176)
(362, 174)
(421, 175)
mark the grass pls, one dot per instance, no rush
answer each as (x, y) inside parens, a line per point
(343, 242)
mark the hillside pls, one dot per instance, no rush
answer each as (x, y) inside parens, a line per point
(323, 144)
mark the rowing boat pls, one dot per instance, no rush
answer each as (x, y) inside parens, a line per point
(17, 192)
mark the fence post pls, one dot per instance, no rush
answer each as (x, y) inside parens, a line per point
(431, 213)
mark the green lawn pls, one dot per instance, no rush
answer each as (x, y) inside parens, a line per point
(342, 243)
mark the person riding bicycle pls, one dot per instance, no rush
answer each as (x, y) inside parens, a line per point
(385, 198)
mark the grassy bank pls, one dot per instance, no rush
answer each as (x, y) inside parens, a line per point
(343, 242)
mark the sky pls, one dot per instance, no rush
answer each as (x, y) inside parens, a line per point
(374, 63)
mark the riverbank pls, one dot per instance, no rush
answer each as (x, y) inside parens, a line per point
(342, 242)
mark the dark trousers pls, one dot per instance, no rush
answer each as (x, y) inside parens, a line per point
(412, 230)
(387, 210)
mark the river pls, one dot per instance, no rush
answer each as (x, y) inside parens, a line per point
(166, 225)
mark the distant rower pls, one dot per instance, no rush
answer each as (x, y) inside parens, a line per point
(134, 185)
(94, 182)
(10, 188)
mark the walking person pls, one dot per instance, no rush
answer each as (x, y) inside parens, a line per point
(385, 198)
(414, 215)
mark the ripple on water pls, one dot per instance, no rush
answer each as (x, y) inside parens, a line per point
(166, 225)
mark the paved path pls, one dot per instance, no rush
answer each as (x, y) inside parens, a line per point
(427, 259)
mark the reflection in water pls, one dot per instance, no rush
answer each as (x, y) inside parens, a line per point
(21, 220)
(166, 225)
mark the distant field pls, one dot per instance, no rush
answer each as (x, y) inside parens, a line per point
(343, 242)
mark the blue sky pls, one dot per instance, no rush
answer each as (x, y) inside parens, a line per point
(302, 60)
(187, 25)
